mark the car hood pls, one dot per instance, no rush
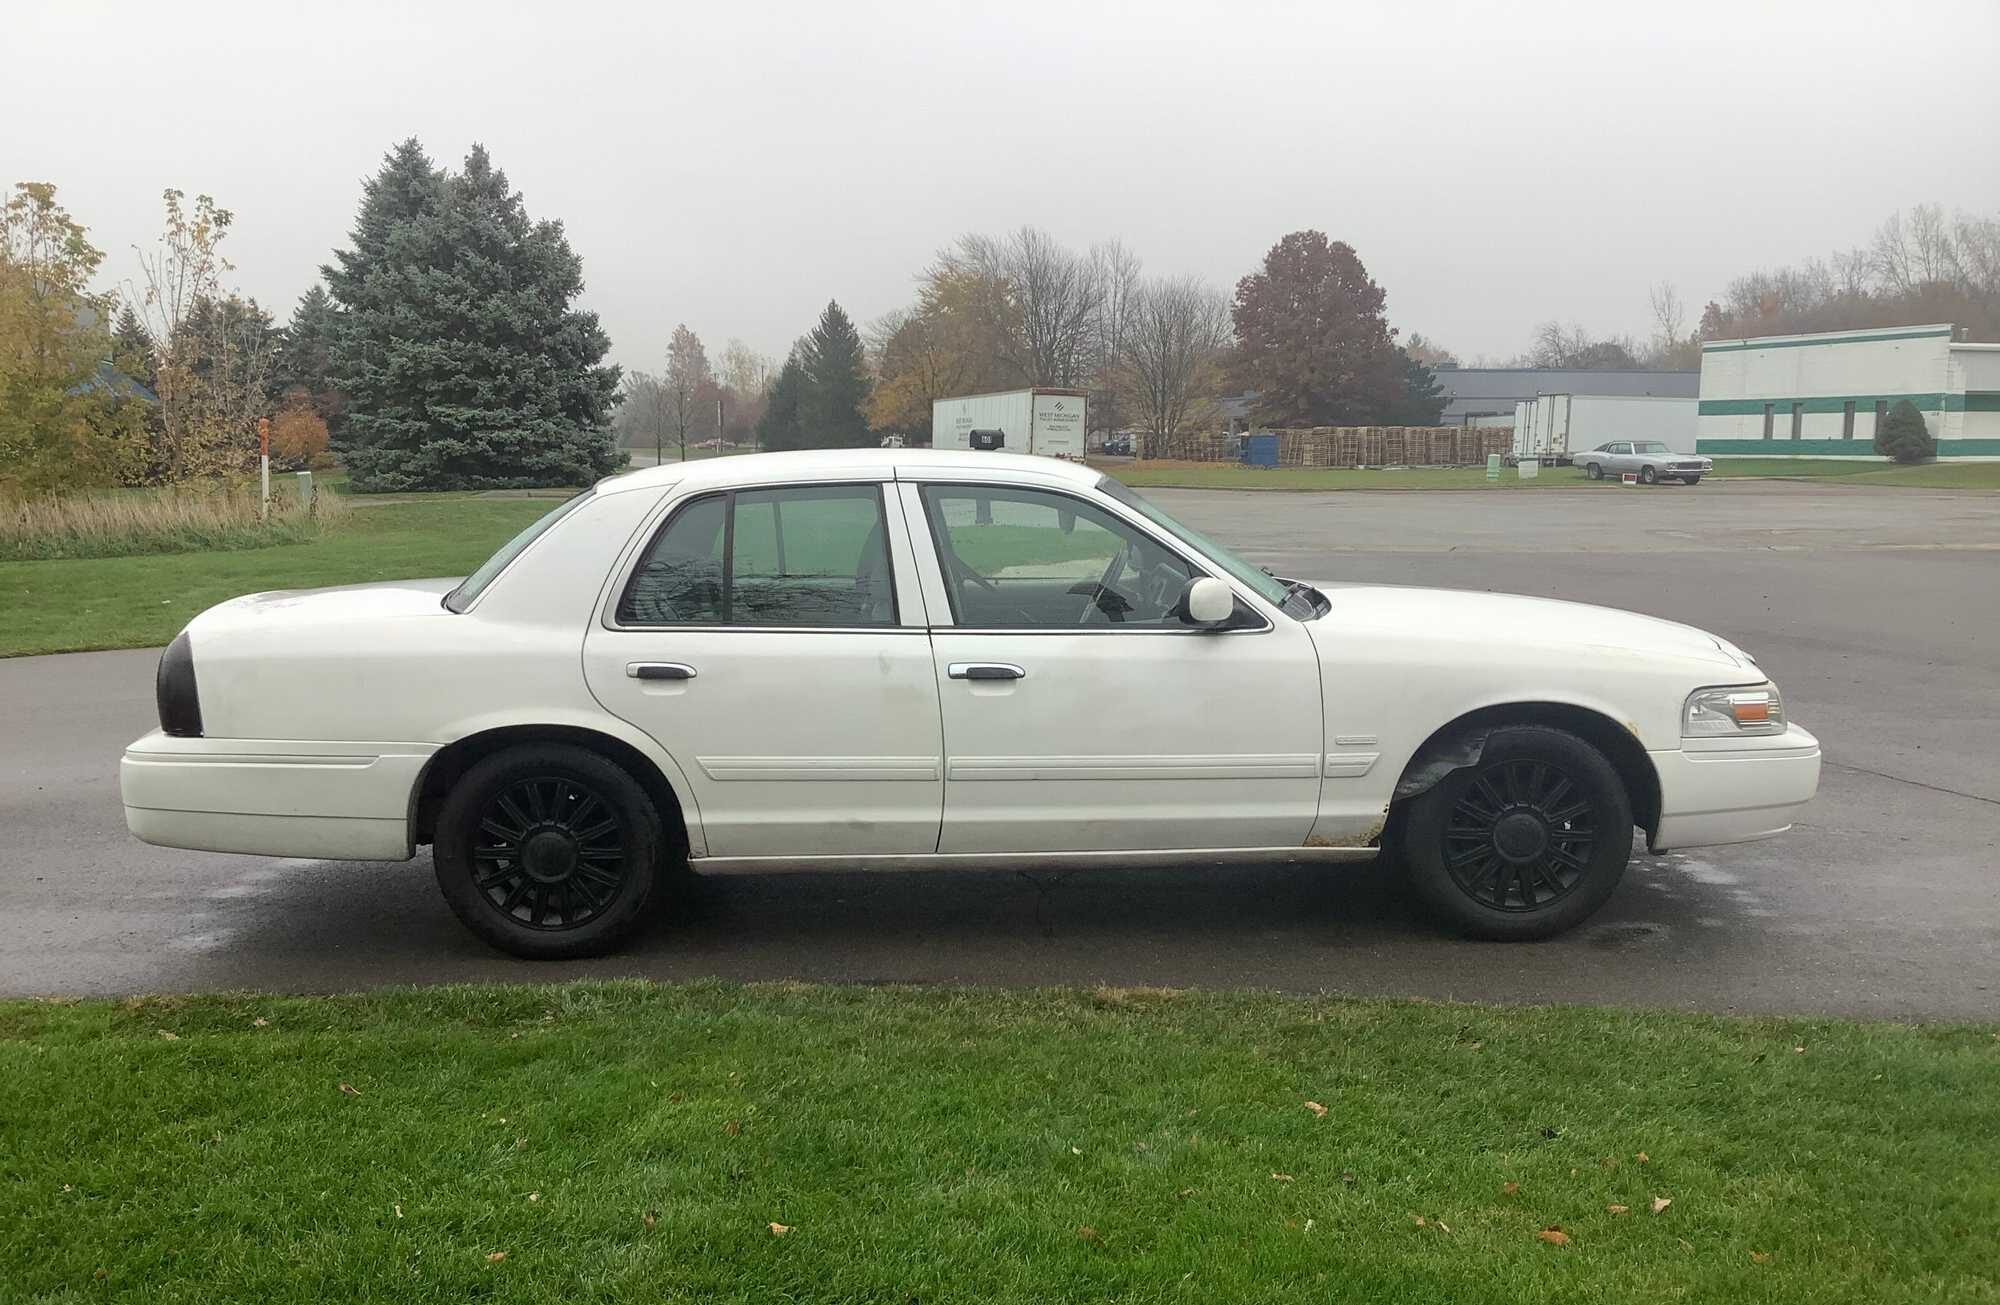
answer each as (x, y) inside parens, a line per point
(339, 605)
(1463, 616)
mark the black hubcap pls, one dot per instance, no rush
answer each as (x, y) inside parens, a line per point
(1521, 836)
(549, 853)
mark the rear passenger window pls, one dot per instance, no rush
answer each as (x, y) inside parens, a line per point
(813, 555)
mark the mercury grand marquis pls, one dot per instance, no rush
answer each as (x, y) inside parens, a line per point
(896, 656)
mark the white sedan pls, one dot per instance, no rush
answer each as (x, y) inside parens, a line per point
(901, 656)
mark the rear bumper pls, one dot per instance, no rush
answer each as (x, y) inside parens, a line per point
(1734, 790)
(273, 797)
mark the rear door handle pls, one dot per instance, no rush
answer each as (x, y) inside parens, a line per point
(984, 671)
(659, 670)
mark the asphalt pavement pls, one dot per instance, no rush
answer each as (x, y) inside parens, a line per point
(1874, 609)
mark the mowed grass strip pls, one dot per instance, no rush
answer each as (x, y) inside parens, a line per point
(628, 1142)
(139, 602)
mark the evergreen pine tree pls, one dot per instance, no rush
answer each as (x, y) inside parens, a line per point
(304, 359)
(836, 377)
(463, 364)
(132, 348)
(1903, 436)
(781, 426)
(1423, 400)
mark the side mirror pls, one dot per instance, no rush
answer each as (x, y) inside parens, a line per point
(1206, 602)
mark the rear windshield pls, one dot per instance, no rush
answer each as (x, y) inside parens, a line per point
(468, 589)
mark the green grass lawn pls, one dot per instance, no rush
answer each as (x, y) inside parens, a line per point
(138, 602)
(626, 1142)
(1229, 475)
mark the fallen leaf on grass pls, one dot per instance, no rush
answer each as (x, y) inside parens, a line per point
(780, 1229)
(1420, 1221)
(260, 1023)
(1348, 1178)
(1554, 1236)
(1277, 1177)
(101, 1274)
(1508, 1189)
(171, 1037)
(732, 1128)
(1184, 1193)
(350, 1089)
(1443, 1226)
(534, 1197)
(1798, 1051)
(398, 1208)
(496, 1257)
(1760, 1257)
(1076, 1150)
(650, 1219)
(1088, 1234)
(1641, 1157)
(1319, 1111)
(1619, 1209)
(1660, 1203)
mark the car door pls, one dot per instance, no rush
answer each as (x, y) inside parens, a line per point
(1080, 713)
(771, 638)
(1620, 460)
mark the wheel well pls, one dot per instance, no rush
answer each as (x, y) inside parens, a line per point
(1460, 742)
(452, 761)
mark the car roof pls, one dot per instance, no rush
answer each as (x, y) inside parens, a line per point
(899, 464)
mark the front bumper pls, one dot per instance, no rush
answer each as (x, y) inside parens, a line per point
(1733, 790)
(273, 797)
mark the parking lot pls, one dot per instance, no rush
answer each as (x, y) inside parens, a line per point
(1873, 609)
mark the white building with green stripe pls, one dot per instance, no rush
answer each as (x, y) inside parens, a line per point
(1820, 395)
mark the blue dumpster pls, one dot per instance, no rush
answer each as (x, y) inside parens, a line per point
(1260, 450)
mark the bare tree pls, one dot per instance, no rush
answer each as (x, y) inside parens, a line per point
(745, 371)
(1036, 302)
(688, 381)
(1118, 273)
(213, 361)
(1428, 351)
(1669, 314)
(1175, 333)
(645, 410)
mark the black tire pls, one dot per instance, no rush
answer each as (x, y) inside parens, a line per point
(1542, 816)
(1690, 480)
(548, 851)
(1592, 471)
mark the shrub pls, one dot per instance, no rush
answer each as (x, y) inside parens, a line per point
(175, 520)
(1903, 435)
(298, 439)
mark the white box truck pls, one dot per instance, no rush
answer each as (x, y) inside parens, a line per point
(1552, 428)
(1046, 421)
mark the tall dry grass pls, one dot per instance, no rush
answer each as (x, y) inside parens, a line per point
(173, 520)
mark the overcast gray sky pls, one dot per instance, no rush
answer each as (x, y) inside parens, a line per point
(733, 165)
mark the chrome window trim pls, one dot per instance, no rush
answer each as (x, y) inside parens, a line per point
(671, 508)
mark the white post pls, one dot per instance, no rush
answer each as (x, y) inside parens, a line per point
(264, 468)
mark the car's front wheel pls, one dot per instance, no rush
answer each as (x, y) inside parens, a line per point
(1592, 471)
(1526, 843)
(548, 851)
(1649, 475)
(1690, 480)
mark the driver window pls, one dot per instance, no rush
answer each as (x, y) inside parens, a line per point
(1015, 558)
(801, 556)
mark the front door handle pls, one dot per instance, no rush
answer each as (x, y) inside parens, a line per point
(984, 671)
(659, 670)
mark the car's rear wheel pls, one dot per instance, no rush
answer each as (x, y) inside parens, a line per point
(1525, 844)
(1649, 476)
(1592, 471)
(548, 851)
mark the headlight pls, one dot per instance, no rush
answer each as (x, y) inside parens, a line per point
(1732, 712)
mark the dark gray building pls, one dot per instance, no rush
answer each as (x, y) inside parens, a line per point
(1485, 396)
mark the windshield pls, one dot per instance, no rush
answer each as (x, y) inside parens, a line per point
(468, 589)
(1648, 446)
(1269, 588)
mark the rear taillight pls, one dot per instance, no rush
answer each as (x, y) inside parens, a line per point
(180, 706)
